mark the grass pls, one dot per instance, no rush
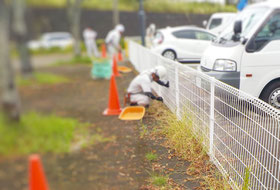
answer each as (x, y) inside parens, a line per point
(187, 146)
(56, 50)
(41, 79)
(246, 179)
(151, 156)
(80, 60)
(37, 133)
(143, 130)
(149, 5)
(159, 180)
(180, 135)
(46, 51)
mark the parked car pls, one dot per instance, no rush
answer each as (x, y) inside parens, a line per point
(53, 39)
(219, 21)
(247, 55)
(182, 43)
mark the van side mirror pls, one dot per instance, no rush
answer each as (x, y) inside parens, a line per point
(237, 29)
(204, 23)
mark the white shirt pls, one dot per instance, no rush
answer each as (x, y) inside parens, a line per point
(141, 83)
(89, 35)
(150, 32)
(113, 38)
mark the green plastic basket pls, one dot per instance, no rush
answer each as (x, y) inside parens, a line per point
(101, 69)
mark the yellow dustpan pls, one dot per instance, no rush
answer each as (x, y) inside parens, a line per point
(124, 69)
(132, 113)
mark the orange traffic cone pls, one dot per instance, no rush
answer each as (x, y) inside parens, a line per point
(115, 67)
(37, 179)
(114, 104)
(120, 57)
(103, 51)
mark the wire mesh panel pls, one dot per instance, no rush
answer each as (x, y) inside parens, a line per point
(239, 131)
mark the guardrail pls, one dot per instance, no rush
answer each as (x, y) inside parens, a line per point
(239, 132)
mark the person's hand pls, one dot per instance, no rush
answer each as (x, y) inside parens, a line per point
(167, 84)
(159, 99)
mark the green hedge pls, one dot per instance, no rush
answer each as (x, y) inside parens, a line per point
(149, 5)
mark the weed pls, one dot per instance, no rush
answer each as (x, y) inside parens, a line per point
(46, 51)
(80, 60)
(189, 146)
(151, 156)
(246, 179)
(143, 130)
(215, 180)
(41, 78)
(159, 180)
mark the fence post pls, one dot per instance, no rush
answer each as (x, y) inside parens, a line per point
(212, 116)
(177, 92)
(158, 86)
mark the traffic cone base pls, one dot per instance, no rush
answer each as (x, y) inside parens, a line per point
(112, 112)
(117, 74)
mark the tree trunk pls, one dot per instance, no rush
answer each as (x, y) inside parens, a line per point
(20, 30)
(74, 17)
(9, 95)
(116, 17)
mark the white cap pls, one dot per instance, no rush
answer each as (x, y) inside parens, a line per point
(120, 28)
(160, 71)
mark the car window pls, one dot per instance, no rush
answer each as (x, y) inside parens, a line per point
(204, 36)
(185, 34)
(58, 38)
(214, 23)
(269, 32)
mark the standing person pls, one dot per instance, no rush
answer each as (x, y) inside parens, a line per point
(139, 91)
(89, 37)
(150, 33)
(113, 38)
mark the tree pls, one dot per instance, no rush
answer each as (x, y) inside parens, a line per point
(116, 17)
(74, 16)
(20, 30)
(9, 95)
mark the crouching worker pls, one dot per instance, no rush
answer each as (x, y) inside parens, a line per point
(139, 91)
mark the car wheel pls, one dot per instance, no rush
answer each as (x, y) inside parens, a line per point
(169, 54)
(271, 94)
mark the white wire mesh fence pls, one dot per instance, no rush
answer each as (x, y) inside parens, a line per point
(239, 131)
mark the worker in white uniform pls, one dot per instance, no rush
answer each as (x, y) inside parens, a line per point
(139, 91)
(89, 37)
(113, 38)
(150, 34)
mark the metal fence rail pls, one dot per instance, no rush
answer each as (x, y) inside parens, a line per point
(238, 130)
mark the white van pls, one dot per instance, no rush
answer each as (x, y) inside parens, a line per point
(218, 22)
(247, 55)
